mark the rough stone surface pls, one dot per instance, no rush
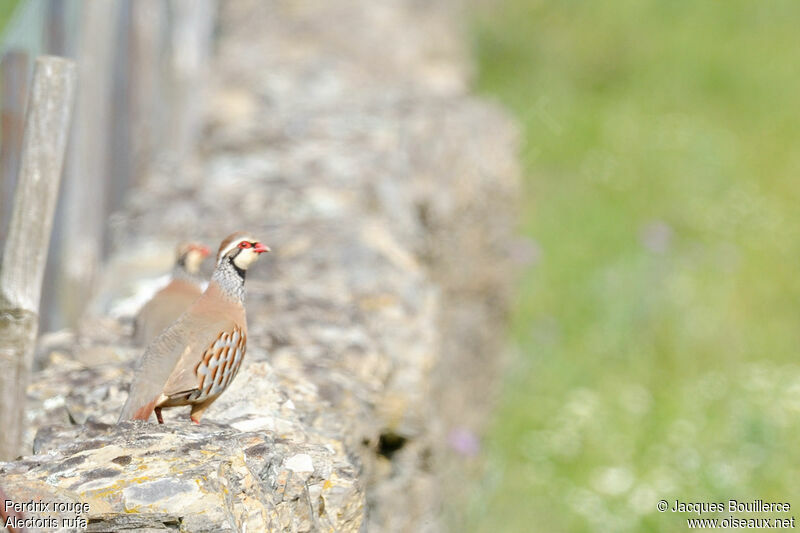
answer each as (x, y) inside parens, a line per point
(342, 134)
(211, 478)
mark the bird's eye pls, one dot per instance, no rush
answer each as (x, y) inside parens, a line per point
(245, 244)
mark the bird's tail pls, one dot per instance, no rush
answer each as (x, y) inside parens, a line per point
(132, 411)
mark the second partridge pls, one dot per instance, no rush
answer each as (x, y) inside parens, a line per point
(167, 304)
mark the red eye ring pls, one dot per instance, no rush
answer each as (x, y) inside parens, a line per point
(245, 244)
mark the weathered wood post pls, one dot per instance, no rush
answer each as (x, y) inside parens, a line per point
(147, 83)
(170, 46)
(55, 34)
(191, 30)
(120, 146)
(25, 253)
(87, 169)
(55, 41)
(14, 71)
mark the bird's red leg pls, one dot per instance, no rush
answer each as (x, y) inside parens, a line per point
(158, 415)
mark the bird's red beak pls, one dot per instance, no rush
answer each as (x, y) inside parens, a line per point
(203, 250)
(260, 248)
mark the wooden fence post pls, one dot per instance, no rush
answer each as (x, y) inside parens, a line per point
(120, 161)
(55, 35)
(55, 40)
(14, 69)
(87, 169)
(191, 28)
(147, 84)
(25, 253)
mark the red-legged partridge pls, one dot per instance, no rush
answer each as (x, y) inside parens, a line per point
(195, 359)
(166, 305)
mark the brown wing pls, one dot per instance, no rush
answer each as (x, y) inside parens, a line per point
(196, 380)
(186, 377)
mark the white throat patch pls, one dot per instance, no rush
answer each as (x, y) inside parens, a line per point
(192, 261)
(245, 258)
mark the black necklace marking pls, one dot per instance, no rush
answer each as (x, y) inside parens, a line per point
(238, 270)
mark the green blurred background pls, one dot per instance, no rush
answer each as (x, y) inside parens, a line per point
(7, 8)
(658, 324)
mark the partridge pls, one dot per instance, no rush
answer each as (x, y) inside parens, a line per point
(195, 359)
(167, 304)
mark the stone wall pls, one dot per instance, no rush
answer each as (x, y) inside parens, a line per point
(343, 135)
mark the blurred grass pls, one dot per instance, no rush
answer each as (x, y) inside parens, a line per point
(659, 326)
(7, 8)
